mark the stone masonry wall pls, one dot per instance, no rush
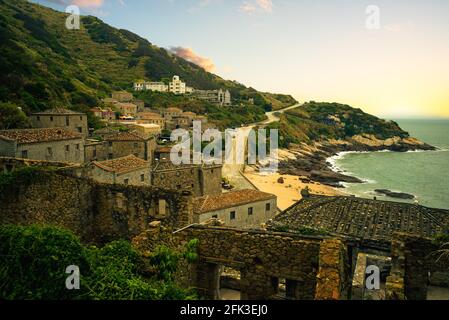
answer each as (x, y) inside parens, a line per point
(263, 258)
(98, 213)
(413, 258)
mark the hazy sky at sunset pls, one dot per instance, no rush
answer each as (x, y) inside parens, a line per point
(313, 49)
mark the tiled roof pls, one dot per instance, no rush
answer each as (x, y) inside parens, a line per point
(122, 165)
(59, 111)
(125, 136)
(174, 110)
(189, 114)
(149, 115)
(39, 135)
(169, 166)
(229, 200)
(371, 221)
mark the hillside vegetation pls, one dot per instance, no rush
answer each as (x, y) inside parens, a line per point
(45, 65)
(317, 121)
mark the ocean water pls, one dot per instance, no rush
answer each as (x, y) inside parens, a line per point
(423, 174)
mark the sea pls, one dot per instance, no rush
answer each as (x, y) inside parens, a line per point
(424, 174)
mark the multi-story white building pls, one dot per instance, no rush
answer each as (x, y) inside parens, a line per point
(139, 85)
(156, 86)
(177, 86)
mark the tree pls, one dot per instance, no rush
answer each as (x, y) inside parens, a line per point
(12, 117)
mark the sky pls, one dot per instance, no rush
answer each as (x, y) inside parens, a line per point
(389, 58)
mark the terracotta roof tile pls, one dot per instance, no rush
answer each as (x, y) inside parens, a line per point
(24, 136)
(122, 165)
(229, 200)
(125, 136)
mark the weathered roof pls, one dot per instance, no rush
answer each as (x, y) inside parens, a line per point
(24, 136)
(173, 110)
(371, 221)
(125, 136)
(149, 115)
(228, 200)
(58, 112)
(122, 165)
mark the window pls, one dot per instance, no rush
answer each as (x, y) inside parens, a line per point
(250, 211)
(232, 215)
(126, 182)
(51, 119)
(95, 152)
(67, 121)
(80, 129)
(268, 207)
(38, 118)
(215, 216)
(50, 151)
(110, 143)
(67, 148)
(24, 154)
(81, 118)
(142, 177)
(77, 146)
(110, 156)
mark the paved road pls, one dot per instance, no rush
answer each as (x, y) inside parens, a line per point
(233, 171)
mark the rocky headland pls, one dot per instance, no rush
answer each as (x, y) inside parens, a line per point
(312, 160)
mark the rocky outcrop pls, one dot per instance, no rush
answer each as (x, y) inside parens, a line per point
(396, 195)
(312, 160)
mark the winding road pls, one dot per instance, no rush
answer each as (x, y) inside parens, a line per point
(233, 172)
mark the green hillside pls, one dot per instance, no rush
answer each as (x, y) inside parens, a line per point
(45, 65)
(315, 121)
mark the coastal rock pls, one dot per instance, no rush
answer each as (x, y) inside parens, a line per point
(312, 160)
(396, 195)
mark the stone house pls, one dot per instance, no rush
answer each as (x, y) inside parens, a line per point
(105, 114)
(128, 170)
(61, 118)
(49, 144)
(95, 150)
(151, 118)
(122, 144)
(199, 179)
(169, 113)
(126, 108)
(242, 209)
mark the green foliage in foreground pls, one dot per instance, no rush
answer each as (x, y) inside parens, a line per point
(34, 259)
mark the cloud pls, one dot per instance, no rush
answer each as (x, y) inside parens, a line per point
(81, 3)
(252, 7)
(188, 54)
(88, 3)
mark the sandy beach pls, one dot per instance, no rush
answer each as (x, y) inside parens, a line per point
(288, 193)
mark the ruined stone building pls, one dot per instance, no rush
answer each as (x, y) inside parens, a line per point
(128, 170)
(198, 179)
(243, 208)
(122, 144)
(61, 118)
(270, 264)
(371, 222)
(51, 144)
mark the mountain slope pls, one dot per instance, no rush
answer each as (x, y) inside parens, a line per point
(43, 64)
(320, 121)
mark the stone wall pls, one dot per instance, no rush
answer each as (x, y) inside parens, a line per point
(47, 151)
(98, 213)
(333, 274)
(413, 259)
(73, 122)
(262, 258)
